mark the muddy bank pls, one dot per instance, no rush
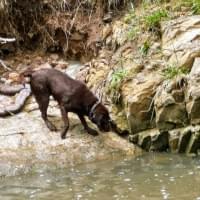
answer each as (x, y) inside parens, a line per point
(72, 28)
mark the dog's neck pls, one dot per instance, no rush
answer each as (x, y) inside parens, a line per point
(92, 109)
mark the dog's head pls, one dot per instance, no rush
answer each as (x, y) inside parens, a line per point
(100, 116)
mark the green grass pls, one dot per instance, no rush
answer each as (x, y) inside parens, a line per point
(194, 4)
(153, 20)
(115, 84)
(132, 32)
(171, 72)
(145, 48)
(130, 16)
(117, 77)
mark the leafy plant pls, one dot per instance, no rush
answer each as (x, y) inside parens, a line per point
(153, 20)
(171, 72)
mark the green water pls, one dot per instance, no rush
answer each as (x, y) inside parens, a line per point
(151, 177)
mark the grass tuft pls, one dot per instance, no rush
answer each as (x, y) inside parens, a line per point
(153, 20)
(171, 72)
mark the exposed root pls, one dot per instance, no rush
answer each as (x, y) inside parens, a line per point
(10, 89)
(19, 103)
(71, 27)
(5, 40)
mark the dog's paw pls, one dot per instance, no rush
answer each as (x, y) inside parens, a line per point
(63, 137)
(51, 127)
(92, 132)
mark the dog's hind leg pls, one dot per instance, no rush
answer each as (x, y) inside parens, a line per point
(43, 101)
(65, 120)
(86, 127)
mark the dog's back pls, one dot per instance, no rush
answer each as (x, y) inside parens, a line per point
(58, 84)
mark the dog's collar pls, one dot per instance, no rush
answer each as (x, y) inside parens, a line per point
(93, 108)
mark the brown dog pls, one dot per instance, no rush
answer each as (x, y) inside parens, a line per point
(72, 96)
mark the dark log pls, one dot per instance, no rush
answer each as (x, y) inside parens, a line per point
(18, 105)
(10, 89)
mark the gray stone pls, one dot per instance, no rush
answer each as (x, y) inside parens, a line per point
(184, 139)
(194, 143)
(174, 140)
(196, 67)
(138, 97)
(26, 143)
(180, 40)
(160, 142)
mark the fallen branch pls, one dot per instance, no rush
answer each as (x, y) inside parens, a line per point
(18, 105)
(6, 40)
(10, 89)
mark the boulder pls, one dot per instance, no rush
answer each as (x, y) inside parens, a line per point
(138, 96)
(193, 93)
(180, 40)
(170, 106)
(179, 139)
(151, 140)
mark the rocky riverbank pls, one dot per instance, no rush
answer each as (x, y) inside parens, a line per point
(155, 95)
(27, 145)
(145, 69)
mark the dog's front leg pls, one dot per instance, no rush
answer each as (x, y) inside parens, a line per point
(86, 127)
(65, 120)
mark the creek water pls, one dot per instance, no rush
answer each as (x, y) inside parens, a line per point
(151, 177)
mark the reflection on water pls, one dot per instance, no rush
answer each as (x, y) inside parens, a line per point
(151, 177)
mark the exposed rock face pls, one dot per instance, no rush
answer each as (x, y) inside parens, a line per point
(180, 40)
(193, 94)
(138, 97)
(149, 101)
(170, 106)
(181, 140)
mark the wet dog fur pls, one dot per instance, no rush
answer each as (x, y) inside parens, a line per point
(72, 96)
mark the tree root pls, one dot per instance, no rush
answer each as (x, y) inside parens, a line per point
(10, 89)
(20, 100)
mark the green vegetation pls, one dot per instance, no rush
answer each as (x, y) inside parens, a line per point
(153, 20)
(132, 20)
(132, 33)
(171, 72)
(194, 4)
(130, 16)
(117, 78)
(147, 19)
(145, 48)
